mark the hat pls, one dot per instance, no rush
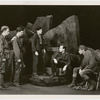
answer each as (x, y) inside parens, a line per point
(4, 28)
(82, 47)
(18, 29)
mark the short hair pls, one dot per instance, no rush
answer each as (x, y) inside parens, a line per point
(18, 29)
(3, 28)
(82, 47)
(64, 47)
(38, 28)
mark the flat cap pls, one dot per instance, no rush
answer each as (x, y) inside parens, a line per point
(82, 47)
(18, 29)
(4, 27)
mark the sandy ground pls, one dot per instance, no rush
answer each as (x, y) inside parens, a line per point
(39, 90)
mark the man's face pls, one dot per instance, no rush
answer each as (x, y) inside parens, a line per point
(61, 49)
(19, 34)
(6, 31)
(81, 51)
(39, 31)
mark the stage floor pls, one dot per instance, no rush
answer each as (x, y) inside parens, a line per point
(34, 90)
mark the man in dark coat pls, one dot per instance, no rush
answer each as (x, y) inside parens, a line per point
(18, 55)
(4, 53)
(88, 66)
(59, 60)
(38, 51)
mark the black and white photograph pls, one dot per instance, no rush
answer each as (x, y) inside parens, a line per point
(49, 49)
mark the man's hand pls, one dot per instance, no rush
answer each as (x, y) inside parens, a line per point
(80, 71)
(19, 60)
(36, 53)
(13, 38)
(64, 68)
(4, 60)
(44, 51)
(55, 61)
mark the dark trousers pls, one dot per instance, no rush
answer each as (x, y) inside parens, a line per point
(6, 68)
(83, 76)
(17, 70)
(55, 67)
(38, 63)
(9, 67)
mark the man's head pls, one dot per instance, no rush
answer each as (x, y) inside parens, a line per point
(62, 48)
(5, 30)
(39, 30)
(82, 49)
(19, 32)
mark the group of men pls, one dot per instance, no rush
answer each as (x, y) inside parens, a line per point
(11, 54)
(87, 66)
(85, 71)
(8, 55)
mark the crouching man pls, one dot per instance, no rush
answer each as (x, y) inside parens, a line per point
(88, 67)
(59, 60)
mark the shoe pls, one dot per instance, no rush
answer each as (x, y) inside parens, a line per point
(81, 84)
(91, 89)
(74, 87)
(53, 76)
(16, 85)
(78, 88)
(44, 74)
(71, 85)
(2, 87)
(35, 75)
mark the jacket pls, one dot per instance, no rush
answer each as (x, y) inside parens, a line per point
(36, 46)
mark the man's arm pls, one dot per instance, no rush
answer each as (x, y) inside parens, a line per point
(2, 50)
(1, 46)
(16, 49)
(33, 40)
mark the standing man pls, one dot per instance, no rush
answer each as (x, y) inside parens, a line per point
(38, 51)
(18, 51)
(4, 53)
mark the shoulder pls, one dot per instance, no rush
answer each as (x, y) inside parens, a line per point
(34, 36)
(14, 39)
(88, 53)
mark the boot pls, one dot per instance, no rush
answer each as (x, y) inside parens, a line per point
(92, 86)
(73, 83)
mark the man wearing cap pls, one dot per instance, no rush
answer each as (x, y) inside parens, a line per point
(4, 52)
(18, 55)
(38, 51)
(88, 66)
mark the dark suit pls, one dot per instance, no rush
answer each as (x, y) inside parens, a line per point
(18, 54)
(38, 45)
(62, 59)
